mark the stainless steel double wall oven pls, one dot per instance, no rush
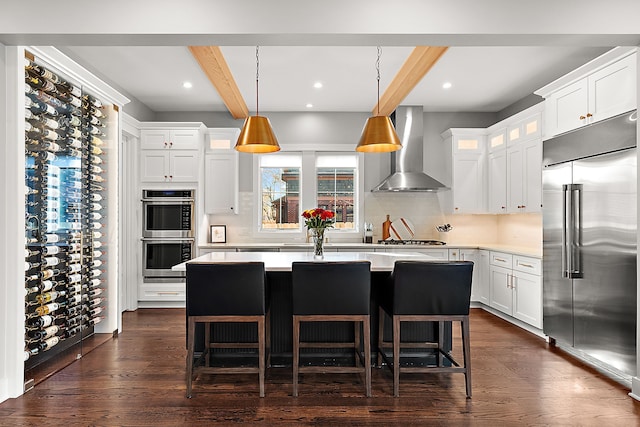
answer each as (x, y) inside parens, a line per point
(168, 232)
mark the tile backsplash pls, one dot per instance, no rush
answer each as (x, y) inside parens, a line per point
(423, 210)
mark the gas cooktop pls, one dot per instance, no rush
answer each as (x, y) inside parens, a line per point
(412, 242)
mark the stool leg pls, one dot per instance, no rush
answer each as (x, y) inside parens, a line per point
(296, 353)
(261, 358)
(380, 335)
(367, 354)
(207, 342)
(268, 337)
(466, 353)
(356, 342)
(440, 343)
(396, 356)
(191, 326)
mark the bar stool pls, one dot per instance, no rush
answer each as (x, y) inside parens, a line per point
(332, 291)
(226, 292)
(419, 291)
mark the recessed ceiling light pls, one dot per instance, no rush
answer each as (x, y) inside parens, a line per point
(187, 85)
(446, 85)
(317, 85)
(309, 105)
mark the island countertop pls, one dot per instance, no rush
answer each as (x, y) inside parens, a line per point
(281, 261)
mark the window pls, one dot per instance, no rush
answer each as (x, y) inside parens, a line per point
(289, 183)
(280, 192)
(336, 179)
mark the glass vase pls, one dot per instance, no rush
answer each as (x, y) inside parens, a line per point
(318, 242)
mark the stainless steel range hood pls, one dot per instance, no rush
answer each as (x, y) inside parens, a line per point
(406, 164)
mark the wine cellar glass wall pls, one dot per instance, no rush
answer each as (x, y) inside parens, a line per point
(68, 133)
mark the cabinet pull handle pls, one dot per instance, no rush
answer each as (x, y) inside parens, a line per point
(582, 117)
(166, 293)
(500, 259)
(525, 265)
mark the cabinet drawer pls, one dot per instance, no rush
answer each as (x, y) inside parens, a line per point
(501, 259)
(527, 265)
(162, 292)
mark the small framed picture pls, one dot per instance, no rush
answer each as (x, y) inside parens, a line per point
(218, 234)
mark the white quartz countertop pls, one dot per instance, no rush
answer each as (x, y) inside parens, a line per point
(281, 261)
(513, 249)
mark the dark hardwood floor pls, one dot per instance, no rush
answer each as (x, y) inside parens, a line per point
(138, 379)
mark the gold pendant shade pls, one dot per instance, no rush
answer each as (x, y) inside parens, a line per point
(257, 136)
(378, 136)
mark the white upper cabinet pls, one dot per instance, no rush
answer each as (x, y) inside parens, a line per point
(602, 88)
(170, 152)
(170, 139)
(514, 166)
(221, 184)
(465, 150)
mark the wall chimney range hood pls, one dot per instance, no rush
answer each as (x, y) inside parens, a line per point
(406, 164)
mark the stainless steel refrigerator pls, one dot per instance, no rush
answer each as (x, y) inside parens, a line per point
(589, 243)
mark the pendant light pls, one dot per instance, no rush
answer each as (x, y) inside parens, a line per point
(378, 135)
(256, 135)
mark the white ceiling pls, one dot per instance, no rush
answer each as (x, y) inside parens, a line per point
(484, 79)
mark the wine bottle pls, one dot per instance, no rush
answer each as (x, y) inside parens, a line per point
(49, 273)
(51, 250)
(95, 197)
(95, 206)
(96, 178)
(75, 101)
(74, 311)
(77, 320)
(41, 322)
(96, 225)
(97, 254)
(97, 112)
(45, 345)
(97, 244)
(96, 150)
(29, 265)
(50, 238)
(96, 263)
(76, 299)
(74, 278)
(28, 253)
(48, 308)
(95, 215)
(74, 142)
(97, 235)
(51, 261)
(95, 273)
(75, 246)
(50, 296)
(95, 292)
(95, 310)
(75, 268)
(96, 160)
(95, 320)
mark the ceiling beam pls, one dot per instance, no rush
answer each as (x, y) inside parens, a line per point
(215, 67)
(417, 65)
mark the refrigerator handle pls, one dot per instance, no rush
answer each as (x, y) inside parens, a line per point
(566, 230)
(576, 231)
(571, 231)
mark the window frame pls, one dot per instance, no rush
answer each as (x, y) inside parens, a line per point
(308, 194)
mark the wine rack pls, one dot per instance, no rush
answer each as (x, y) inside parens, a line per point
(66, 251)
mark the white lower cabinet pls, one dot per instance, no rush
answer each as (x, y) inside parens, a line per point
(174, 292)
(516, 287)
(470, 255)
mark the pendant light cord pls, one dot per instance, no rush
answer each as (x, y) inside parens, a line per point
(378, 70)
(257, 77)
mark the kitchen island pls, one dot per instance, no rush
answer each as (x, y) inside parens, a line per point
(279, 291)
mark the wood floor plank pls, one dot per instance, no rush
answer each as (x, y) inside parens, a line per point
(138, 379)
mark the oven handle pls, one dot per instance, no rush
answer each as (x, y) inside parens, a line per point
(169, 201)
(167, 239)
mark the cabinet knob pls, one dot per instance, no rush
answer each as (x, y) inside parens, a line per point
(455, 209)
(165, 143)
(582, 117)
(165, 177)
(231, 208)
(170, 176)
(589, 115)
(504, 207)
(170, 143)
(523, 206)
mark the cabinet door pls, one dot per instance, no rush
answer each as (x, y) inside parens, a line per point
(483, 290)
(612, 90)
(472, 255)
(184, 139)
(514, 178)
(498, 181)
(154, 139)
(468, 183)
(183, 166)
(501, 293)
(155, 166)
(567, 108)
(221, 183)
(532, 176)
(527, 298)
